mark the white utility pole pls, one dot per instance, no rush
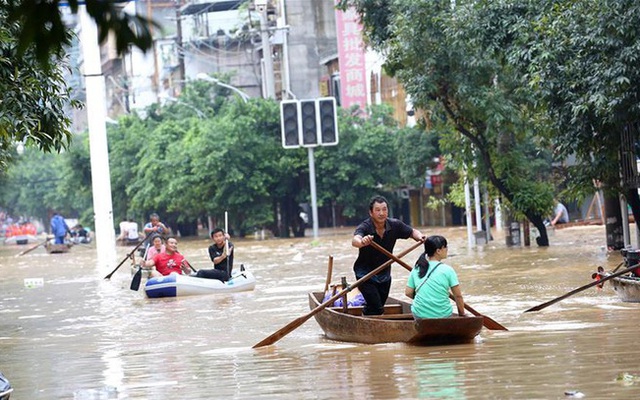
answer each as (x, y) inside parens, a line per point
(467, 207)
(98, 148)
(312, 189)
(478, 209)
(267, 76)
(498, 210)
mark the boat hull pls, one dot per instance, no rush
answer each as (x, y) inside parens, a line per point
(57, 248)
(176, 285)
(627, 288)
(20, 239)
(396, 325)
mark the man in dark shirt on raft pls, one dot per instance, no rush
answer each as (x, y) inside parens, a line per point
(384, 231)
(222, 262)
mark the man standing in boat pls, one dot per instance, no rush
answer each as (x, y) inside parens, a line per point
(59, 228)
(154, 226)
(151, 229)
(167, 262)
(384, 231)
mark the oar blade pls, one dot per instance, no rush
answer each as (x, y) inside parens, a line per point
(492, 324)
(137, 278)
(488, 322)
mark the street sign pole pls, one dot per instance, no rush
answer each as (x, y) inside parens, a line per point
(312, 188)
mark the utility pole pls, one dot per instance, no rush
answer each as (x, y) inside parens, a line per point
(181, 72)
(99, 154)
(269, 87)
(156, 77)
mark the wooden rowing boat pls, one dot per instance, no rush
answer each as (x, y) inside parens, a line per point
(627, 288)
(395, 325)
(57, 248)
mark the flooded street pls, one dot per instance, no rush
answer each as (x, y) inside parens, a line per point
(79, 336)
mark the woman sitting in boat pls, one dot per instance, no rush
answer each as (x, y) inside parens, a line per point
(430, 281)
(168, 262)
(157, 247)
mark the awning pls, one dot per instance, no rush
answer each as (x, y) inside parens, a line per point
(209, 7)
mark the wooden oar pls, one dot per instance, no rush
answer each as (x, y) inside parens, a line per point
(125, 259)
(581, 288)
(488, 322)
(32, 248)
(279, 334)
(329, 274)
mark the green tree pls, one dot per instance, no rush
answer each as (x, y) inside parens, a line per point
(453, 61)
(582, 58)
(34, 96)
(38, 183)
(228, 156)
(41, 28)
(363, 164)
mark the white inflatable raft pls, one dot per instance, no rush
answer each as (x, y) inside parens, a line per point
(175, 285)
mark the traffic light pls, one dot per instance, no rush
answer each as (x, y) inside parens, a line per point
(328, 129)
(290, 124)
(309, 119)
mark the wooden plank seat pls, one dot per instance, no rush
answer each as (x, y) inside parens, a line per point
(393, 316)
(389, 309)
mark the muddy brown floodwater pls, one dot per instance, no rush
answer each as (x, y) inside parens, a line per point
(80, 337)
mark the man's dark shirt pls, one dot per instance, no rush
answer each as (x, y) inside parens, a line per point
(215, 251)
(370, 258)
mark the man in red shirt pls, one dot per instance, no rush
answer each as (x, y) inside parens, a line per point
(169, 261)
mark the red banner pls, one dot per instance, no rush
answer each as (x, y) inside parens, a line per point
(353, 77)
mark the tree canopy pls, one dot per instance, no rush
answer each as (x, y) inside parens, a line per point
(34, 96)
(516, 85)
(33, 38)
(208, 153)
(581, 57)
(453, 61)
(41, 27)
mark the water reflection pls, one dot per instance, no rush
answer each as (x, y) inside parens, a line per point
(439, 380)
(80, 337)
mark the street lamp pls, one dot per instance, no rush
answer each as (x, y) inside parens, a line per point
(202, 76)
(20, 146)
(177, 101)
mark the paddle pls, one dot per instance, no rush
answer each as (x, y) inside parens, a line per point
(488, 322)
(32, 248)
(189, 265)
(580, 289)
(279, 334)
(226, 241)
(137, 277)
(125, 259)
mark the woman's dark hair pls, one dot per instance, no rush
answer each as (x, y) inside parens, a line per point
(432, 244)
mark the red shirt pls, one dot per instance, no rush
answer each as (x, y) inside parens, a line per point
(168, 263)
